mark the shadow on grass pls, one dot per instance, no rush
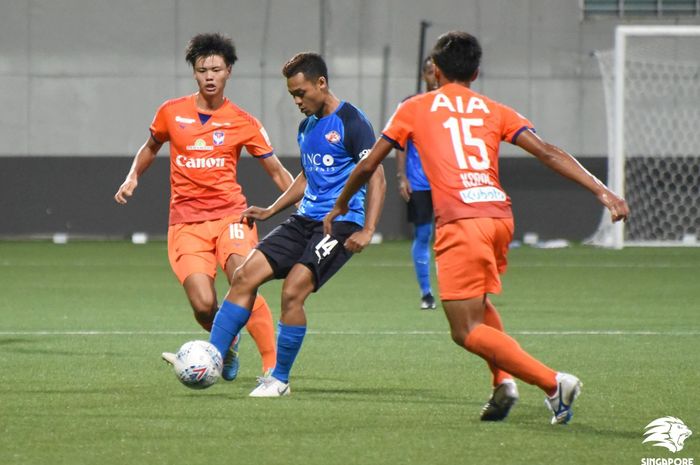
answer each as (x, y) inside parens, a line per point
(373, 395)
(537, 420)
(46, 352)
(6, 341)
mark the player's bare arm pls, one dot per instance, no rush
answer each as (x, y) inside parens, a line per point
(565, 164)
(404, 185)
(376, 192)
(293, 194)
(276, 170)
(359, 177)
(143, 159)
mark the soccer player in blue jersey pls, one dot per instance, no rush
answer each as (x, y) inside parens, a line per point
(332, 139)
(415, 190)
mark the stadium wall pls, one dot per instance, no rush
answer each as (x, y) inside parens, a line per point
(80, 81)
(74, 195)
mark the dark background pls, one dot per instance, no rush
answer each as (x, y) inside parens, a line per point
(43, 195)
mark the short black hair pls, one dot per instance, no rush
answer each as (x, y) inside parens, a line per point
(458, 55)
(310, 64)
(206, 45)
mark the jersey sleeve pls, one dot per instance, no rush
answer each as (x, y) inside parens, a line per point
(258, 143)
(513, 124)
(400, 126)
(359, 136)
(159, 126)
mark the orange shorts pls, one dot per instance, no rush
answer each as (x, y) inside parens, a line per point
(470, 254)
(198, 247)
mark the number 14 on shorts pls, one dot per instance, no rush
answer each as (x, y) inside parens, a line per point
(325, 246)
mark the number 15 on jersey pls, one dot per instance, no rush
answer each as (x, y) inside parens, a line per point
(461, 134)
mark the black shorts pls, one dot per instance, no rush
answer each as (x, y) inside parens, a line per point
(420, 207)
(301, 240)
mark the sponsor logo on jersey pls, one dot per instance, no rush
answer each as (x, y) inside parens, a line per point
(482, 194)
(319, 161)
(181, 119)
(364, 154)
(219, 137)
(333, 137)
(187, 162)
(200, 145)
(458, 105)
(219, 125)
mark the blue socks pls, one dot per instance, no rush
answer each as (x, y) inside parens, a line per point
(289, 339)
(421, 255)
(228, 322)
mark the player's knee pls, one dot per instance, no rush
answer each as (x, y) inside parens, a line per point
(291, 297)
(243, 282)
(203, 305)
(294, 294)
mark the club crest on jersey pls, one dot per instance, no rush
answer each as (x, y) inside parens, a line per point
(200, 145)
(333, 137)
(219, 137)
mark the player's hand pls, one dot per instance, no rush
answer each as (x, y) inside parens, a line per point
(256, 213)
(358, 241)
(619, 210)
(126, 190)
(333, 214)
(404, 188)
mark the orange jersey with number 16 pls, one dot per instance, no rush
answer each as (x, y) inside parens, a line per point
(204, 157)
(457, 133)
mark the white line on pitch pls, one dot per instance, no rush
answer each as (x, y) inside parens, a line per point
(357, 333)
(512, 265)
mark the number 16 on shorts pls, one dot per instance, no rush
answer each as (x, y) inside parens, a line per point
(236, 231)
(325, 246)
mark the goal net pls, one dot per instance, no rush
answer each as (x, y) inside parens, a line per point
(651, 82)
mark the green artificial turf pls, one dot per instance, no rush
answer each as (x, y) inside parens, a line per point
(378, 381)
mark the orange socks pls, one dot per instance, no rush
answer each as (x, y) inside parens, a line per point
(505, 353)
(493, 319)
(262, 330)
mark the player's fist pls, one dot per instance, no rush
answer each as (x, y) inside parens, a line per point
(619, 210)
(126, 190)
(358, 241)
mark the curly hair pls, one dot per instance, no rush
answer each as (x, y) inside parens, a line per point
(205, 45)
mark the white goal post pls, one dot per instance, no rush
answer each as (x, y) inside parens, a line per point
(651, 82)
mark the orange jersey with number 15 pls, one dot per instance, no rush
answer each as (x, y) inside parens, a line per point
(204, 157)
(457, 133)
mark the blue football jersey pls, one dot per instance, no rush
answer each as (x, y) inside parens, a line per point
(414, 169)
(330, 149)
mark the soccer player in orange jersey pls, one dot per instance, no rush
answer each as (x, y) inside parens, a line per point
(206, 132)
(457, 132)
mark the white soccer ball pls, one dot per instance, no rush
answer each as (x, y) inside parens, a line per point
(198, 364)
